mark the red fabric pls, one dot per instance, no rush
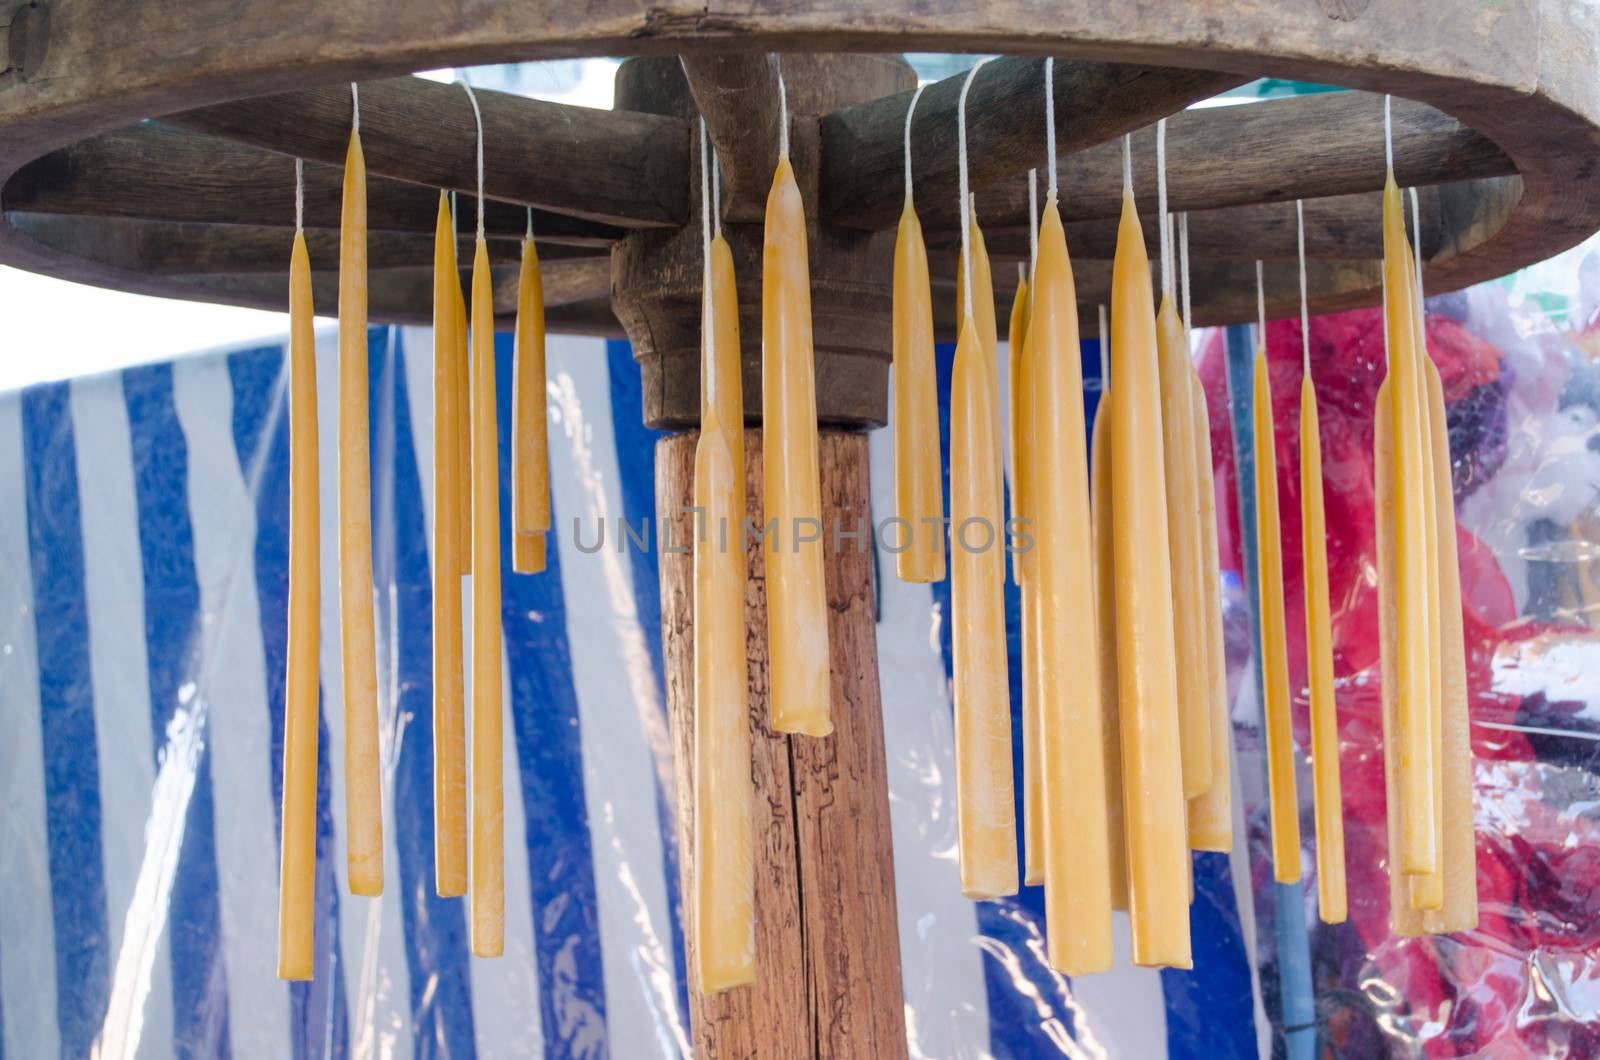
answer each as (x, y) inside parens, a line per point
(1537, 888)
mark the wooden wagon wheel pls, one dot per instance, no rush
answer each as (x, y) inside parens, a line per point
(149, 149)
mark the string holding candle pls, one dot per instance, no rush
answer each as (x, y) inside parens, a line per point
(1183, 507)
(1153, 799)
(724, 847)
(530, 431)
(1282, 795)
(1077, 871)
(919, 489)
(797, 608)
(1332, 904)
(297, 862)
(363, 779)
(487, 838)
(985, 808)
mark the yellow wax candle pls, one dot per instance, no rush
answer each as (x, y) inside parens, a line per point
(985, 812)
(1403, 919)
(488, 787)
(463, 428)
(297, 865)
(1147, 681)
(919, 490)
(1021, 450)
(1427, 890)
(1183, 549)
(530, 444)
(1331, 898)
(983, 316)
(363, 803)
(797, 604)
(449, 719)
(1105, 603)
(1459, 911)
(1413, 670)
(1077, 877)
(1021, 433)
(1285, 803)
(724, 854)
(721, 377)
(1211, 814)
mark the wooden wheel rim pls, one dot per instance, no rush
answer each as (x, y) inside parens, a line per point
(1521, 75)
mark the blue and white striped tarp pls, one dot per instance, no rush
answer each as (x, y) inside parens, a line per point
(143, 553)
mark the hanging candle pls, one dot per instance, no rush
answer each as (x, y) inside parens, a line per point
(297, 864)
(1459, 909)
(1211, 813)
(1285, 809)
(463, 425)
(530, 443)
(1427, 890)
(985, 808)
(1331, 898)
(983, 315)
(919, 490)
(1077, 878)
(488, 883)
(363, 802)
(1105, 605)
(1416, 773)
(1021, 448)
(449, 718)
(1153, 804)
(1404, 920)
(724, 850)
(797, 604)
(1183, 506)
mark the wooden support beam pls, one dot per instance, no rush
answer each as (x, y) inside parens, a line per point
(164, 248)
(737, 95)
(398, 296)
(156, 173)
(1338, 228)
(827, 947)
(615, 167)
(863, 147)
(1255, 153)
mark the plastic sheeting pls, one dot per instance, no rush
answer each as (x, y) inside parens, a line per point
(1523, 400)
(142, 609)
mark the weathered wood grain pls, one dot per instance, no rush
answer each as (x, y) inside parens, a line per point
(827, 952)
(1329, 144)
(614, 167)
(179, 248)
(156, 173)
(737, 95)
(863, 153)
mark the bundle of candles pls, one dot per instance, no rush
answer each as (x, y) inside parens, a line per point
(1126, 730)
(466, 540)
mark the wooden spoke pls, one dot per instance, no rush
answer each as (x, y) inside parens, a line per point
(737, 95)
(164, 248)
(156, 173)
(863, 148)
(400, 295)
(1339, 227)
(1261, 152)
(614, 167)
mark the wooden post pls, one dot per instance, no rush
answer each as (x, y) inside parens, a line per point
(827, 943)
